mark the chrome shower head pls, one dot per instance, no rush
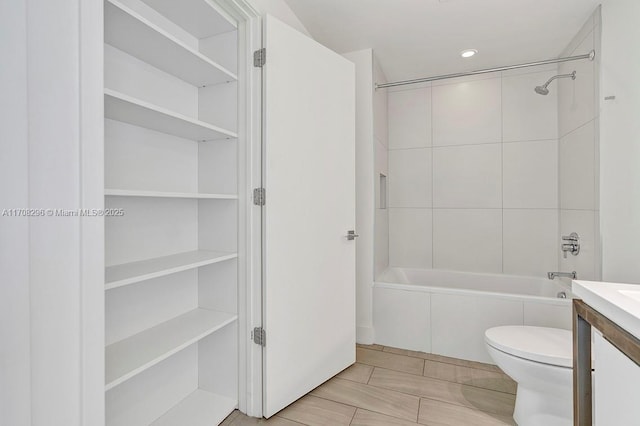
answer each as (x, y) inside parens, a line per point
(542, 90)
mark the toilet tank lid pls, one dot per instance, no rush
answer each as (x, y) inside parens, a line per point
(540, 344)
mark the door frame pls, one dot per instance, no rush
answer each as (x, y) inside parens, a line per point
(249, 215)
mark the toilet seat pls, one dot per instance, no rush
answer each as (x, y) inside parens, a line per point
(551, 346)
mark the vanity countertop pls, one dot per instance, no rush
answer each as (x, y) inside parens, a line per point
(618, 302)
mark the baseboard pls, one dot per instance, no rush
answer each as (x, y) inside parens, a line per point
(365, 335)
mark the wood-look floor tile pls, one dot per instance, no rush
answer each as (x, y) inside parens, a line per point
(357, 373)
(370, 418)
(440, 370)
(372, 347)
(314, 411)
(441, 358)
(371, 398)
(486, 379)
(438, 413)
(492, 380)
(231, 417)
(455, 393)
(243, 420)
(390, 361)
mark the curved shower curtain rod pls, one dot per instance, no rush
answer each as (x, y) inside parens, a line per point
(591, 55)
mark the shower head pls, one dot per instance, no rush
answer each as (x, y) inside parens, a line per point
(542, 90)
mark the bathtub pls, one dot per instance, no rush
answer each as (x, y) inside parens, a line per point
(447, 312)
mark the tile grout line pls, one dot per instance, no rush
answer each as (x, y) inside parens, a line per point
(431, 378)
(442, 362)
(465, 406)
(448, 402)
(502, 169)
(353, 416)
(369, 409)
(432, 182)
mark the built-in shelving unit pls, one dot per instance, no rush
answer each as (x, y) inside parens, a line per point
(120, 107)
(141, 351)
(171, 154)
(133, 33)
(196, 409)
(160, 194)
(134, 272)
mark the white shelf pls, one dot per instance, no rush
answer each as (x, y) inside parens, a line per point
(161, 194)
(128, 31)
(135, 354)
(130, 273)
(200, 408)
(121, 107)
(200, 18)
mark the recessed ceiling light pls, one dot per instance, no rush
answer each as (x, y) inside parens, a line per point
(468, 53)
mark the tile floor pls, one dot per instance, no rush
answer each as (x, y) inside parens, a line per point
(395, 387)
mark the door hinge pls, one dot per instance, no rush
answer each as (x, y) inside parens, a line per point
(259, 336)
(259, 197)
(259, 57)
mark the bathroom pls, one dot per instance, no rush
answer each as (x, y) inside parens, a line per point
(460, 235)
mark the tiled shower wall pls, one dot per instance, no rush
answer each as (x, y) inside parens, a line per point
(578, 120)
(473, 174)
(381, 169)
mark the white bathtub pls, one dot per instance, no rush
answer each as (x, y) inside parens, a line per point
(446, 312)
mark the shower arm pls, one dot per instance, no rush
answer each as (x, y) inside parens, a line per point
(572, 76)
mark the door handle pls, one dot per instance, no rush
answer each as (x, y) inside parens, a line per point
(351, 235)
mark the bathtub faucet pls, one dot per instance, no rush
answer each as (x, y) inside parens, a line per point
(573, 275)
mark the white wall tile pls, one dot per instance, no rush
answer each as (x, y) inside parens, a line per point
(597, 251)
(459, 322)
(380, 105)
(576, 98)
(582, 222)
(382, 158)
(530, 70)
(467, 176)
(402, 319)
(530, 239)
(410, 238)
(577, 169)
(381, 241)
(527, 115)
(466, 79)
(382, 167)
(467, 240)
(585, 31)
(410, 177)
(467, 113)
(410, 119)
(530, 174)
(546, 315)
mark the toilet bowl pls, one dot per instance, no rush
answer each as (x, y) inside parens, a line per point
(540, 360)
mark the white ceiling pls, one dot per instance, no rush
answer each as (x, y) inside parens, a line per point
(421, 38)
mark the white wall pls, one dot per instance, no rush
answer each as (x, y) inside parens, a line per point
(281, 10)
(578, 124)
(51, 150)
(363, 59)
(381, 143)
(473, 174)
(15, 358)
(620, 137)
(371, 161)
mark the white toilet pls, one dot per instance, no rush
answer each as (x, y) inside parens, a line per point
(540, 360)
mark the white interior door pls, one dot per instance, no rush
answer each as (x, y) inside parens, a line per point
(309, 176)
